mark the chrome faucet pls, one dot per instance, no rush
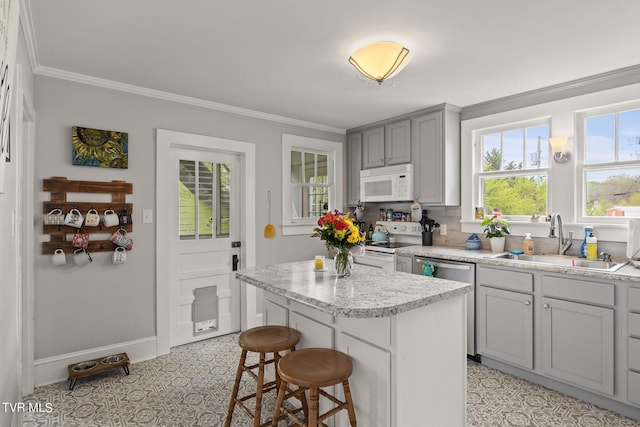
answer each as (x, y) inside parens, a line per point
(563, 245)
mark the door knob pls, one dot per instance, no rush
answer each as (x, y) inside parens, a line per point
(527, 303)
(546, 306)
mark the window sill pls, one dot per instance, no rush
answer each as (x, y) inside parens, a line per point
(297, 229)
(604, 232)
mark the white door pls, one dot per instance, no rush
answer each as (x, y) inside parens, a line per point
(205, 295)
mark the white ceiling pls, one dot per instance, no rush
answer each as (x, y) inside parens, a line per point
(289, 57)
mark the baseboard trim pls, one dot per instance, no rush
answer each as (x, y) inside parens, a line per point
(53, 369)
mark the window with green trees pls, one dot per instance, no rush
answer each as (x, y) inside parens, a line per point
(513, 177)
(611, 164)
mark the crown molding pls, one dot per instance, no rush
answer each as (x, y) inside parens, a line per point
(167, 96)
(596, 83)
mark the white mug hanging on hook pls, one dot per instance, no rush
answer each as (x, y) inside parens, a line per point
(58, 257)
(110, 218)
(92, 219)
(81, 257)
(119, 256)
(74, 218)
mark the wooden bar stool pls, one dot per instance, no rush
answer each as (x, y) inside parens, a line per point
(262, 340)
(310, 369)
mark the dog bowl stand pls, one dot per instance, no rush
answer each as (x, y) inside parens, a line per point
(96, 365)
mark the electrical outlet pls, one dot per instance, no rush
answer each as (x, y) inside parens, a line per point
(443, 229)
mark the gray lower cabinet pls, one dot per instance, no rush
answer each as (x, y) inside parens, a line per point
(633, 345)
(354, 164)
(505, 326)
(404, 263)
(578, 332)
(577, 344)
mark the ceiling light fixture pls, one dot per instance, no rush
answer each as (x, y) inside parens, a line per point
(380, 60)
(558, 146)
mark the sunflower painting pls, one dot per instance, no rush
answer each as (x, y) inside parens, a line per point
(101, 148)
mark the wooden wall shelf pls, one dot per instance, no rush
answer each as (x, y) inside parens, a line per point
(59, 187)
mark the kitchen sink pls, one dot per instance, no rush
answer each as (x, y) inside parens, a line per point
(565, 261)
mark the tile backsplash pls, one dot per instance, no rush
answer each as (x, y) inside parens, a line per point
(450, 215)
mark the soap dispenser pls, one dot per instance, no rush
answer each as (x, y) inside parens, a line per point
(528, 247)
(583, 248)
(592, 247)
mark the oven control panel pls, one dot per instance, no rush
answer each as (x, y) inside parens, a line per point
(407, 228)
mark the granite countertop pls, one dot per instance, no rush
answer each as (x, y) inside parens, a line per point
(626, 273)
(368, 292)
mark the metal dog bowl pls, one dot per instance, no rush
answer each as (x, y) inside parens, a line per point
(112, 359)
(84, 366)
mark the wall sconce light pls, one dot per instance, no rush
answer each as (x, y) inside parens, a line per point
(380, 60)
(558, 144)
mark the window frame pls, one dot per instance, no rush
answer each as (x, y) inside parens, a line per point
(333, 150)
(478, 164)
(582, 168)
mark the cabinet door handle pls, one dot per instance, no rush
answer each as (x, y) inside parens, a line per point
(527, 303)
(546, 306)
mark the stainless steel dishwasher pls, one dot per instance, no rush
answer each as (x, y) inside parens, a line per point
(460, 272)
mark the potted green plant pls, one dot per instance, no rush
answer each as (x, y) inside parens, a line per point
(494, 229)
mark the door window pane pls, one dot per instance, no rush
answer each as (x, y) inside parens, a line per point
(204, 200)
(224, 200)
(187, 196)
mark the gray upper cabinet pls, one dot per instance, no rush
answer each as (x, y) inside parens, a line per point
(398, 143)
(430, 139)
(436, 157)
(354, 164)
(373, 148)
(387, 145)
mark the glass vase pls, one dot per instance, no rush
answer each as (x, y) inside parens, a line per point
(343, 262)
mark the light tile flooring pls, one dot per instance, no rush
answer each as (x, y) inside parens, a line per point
(191, 387)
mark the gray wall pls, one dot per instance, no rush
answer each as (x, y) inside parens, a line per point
(82, 308)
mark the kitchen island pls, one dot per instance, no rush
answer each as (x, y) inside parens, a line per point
(405, 333)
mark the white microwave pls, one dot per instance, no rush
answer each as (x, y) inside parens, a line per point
(387, 184)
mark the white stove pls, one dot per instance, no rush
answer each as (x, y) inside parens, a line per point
(382, 254)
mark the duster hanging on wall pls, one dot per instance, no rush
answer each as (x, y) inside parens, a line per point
(101, 148)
